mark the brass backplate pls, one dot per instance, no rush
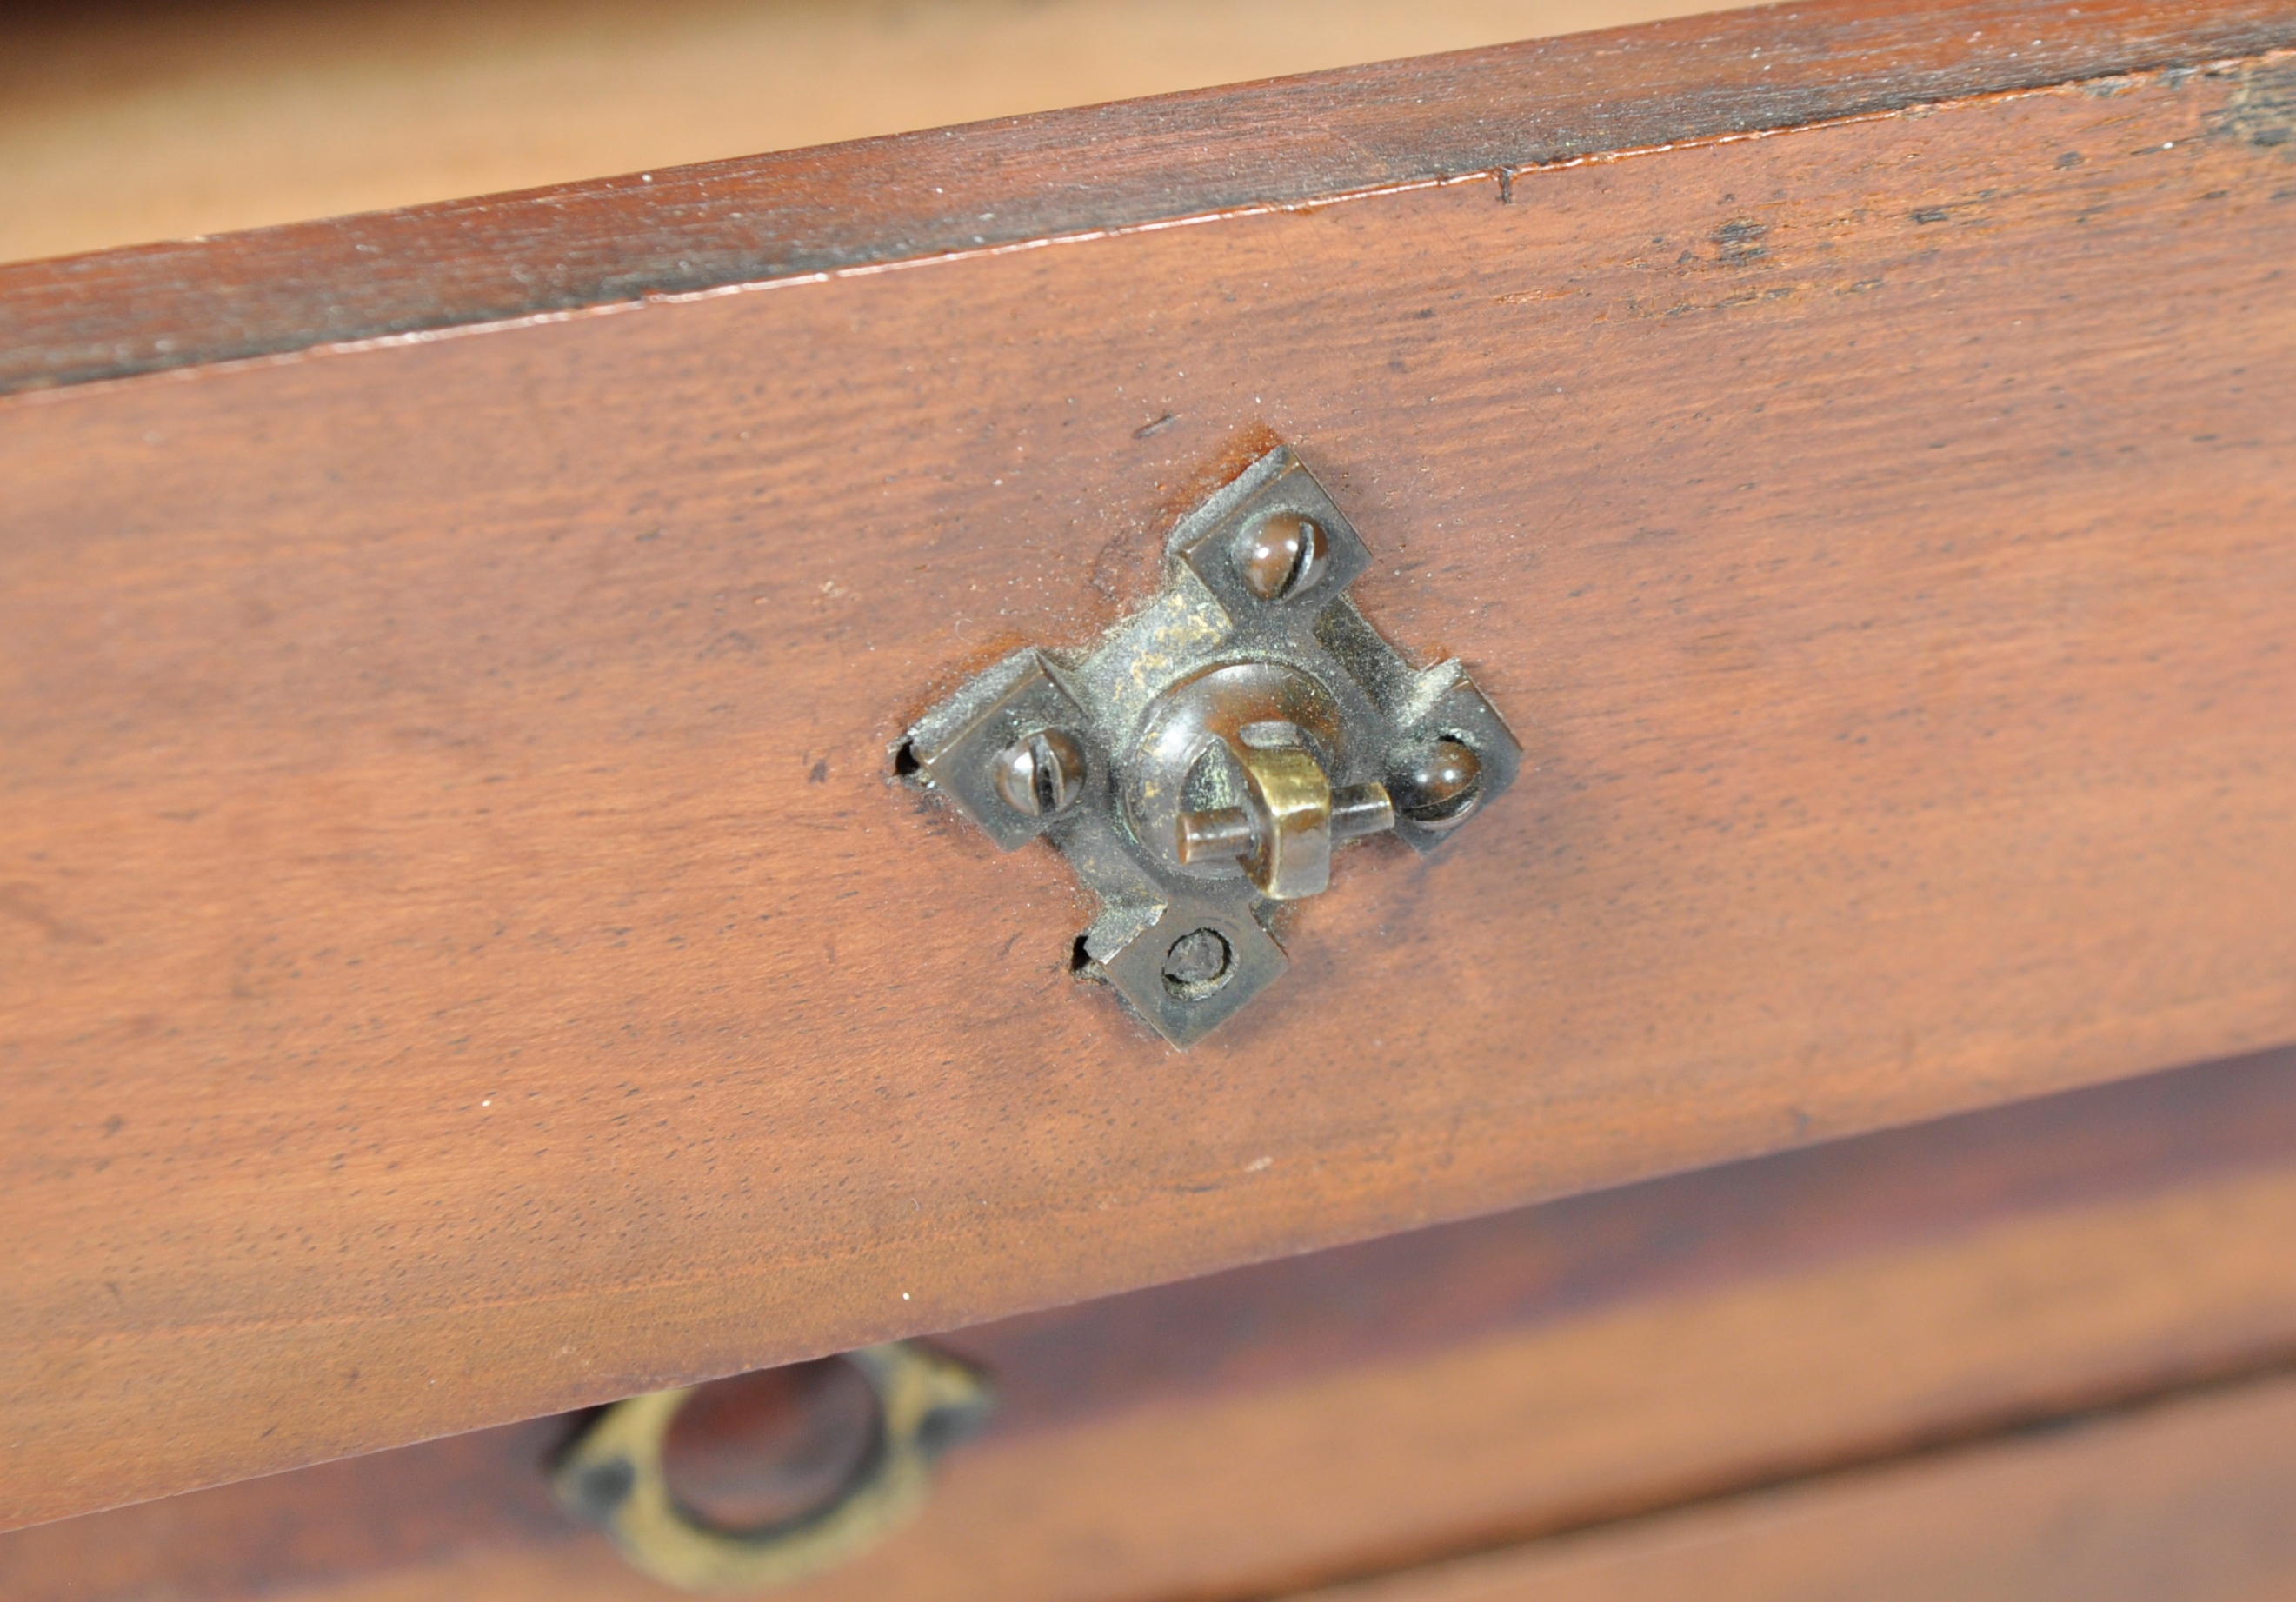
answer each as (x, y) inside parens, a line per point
(1199, 764)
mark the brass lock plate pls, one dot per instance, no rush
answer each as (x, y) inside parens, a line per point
(1200, 764)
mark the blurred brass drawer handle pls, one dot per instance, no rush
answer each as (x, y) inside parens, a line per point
(613, 1476)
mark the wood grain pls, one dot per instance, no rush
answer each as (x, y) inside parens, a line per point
(123, 121)
(1378, 1405)
(467, 958)
(911, 196)
(2192, 1502)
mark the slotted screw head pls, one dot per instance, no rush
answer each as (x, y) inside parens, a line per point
(1280, 555)
(1438, 786)
(1042, 774)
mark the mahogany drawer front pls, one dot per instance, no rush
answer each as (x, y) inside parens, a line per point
(2190, 1501)
(468, 957)
(1827, 1317)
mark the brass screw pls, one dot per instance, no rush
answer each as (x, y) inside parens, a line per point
(1042, 774)
(1439, 785)
(1280, 555)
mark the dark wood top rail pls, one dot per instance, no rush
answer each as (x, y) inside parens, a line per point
(185, 302)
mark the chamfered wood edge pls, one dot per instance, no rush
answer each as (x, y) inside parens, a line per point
(114, 313)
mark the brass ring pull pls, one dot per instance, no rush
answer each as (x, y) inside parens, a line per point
(611, 1476)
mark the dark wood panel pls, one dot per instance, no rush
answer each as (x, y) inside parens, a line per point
(359, 105)
(1073, 172)
(468, 958)
(1585, 1361)
(2193, 1502)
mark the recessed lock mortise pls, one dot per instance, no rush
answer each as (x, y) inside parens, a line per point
(1200, 763)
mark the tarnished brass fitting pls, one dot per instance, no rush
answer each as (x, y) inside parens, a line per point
(1200, 764)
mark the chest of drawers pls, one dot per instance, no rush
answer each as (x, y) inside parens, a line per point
(471, 954)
